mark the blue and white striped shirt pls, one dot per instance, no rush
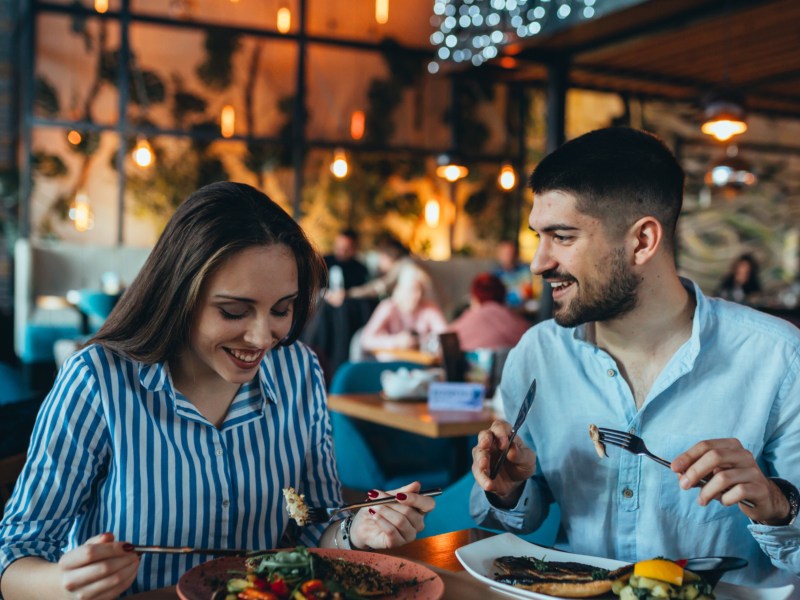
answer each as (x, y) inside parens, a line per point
(116, 448)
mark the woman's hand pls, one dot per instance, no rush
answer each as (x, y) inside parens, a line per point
(391, 525)
(99, 569)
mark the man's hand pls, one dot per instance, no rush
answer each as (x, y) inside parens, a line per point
(334, 298)
(733, 475)
(519, 466)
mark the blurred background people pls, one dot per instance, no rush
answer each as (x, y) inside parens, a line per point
(515, 275)
(742, 283)
(344, 269)
(488, 322)
(408, 320)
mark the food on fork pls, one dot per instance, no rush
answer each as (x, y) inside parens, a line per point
(302, 575)
(599, 446)
(296, 505)
(564, 579)
(658, 578)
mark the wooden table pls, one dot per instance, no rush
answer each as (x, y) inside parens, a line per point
(414, 417)
(436, 552)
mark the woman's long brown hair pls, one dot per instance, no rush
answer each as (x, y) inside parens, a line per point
(152, 320)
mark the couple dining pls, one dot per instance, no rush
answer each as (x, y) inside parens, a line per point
(194, 405)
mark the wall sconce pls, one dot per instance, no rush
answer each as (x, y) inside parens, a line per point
(339, 166)
(732, 172)
(507, 178)
(724, 116)
(284, 22)
(382, 11)
(451, 167)
(81, 212)
(227, 121)
(432, 213)
(357, 124)
(142, 153)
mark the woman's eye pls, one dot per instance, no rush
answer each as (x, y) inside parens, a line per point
(281, 313)
(230, 315)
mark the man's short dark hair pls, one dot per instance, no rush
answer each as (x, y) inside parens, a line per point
(617, 175)
(350, 233)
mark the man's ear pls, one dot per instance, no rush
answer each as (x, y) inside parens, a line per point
(646, 237)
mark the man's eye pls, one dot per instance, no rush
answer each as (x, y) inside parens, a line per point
(562, 238)
(230, 315)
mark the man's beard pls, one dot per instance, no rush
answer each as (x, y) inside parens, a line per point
(600, 300)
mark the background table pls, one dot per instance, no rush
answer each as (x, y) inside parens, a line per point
(414, 417)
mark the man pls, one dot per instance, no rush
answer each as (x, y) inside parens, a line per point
(711, 385)
(352, 271)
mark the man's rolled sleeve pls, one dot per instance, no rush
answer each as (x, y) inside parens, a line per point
(525, 517)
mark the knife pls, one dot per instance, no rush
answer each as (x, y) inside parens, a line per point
(523, 412)
(190, 550)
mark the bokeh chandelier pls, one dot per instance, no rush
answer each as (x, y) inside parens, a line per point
(474, 31)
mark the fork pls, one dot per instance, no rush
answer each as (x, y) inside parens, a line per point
(634, 444)
(323, 514)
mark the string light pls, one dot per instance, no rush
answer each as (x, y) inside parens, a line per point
(357, 124)
(382, 11)
(81, 212)
(284, 23)
(101, 6)
(475, 31)
(227, 121)
(507, 178)
(432, 213)
(339, 166)
(74, 137)
(143, 153)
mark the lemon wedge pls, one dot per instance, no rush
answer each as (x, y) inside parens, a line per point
(660, 569)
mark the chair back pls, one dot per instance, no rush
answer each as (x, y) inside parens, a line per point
(371, 456)
(10, 468)
(452, 514)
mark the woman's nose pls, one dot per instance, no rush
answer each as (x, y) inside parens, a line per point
(261, 334)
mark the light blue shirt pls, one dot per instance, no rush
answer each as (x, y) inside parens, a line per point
(737, 376)
(116, 448)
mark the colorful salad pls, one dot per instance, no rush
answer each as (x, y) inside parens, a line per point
(302, 575)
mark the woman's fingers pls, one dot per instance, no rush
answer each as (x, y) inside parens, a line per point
(100, 568)
(112, 585)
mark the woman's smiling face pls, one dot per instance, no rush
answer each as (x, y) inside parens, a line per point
(245, 308)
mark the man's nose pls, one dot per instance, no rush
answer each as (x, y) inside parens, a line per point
(542, 259)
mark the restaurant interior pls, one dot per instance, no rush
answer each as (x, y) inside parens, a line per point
(417, 118)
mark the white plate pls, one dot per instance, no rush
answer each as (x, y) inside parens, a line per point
(478, 559)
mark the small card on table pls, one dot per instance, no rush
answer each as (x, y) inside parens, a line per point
(448, 395)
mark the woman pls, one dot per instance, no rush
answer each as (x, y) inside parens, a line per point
(742, 283)
(186, 415)
(409, 319)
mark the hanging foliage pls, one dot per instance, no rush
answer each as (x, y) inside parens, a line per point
(216, 71)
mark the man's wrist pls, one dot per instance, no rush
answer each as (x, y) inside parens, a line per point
(509, 500)
(792, 495)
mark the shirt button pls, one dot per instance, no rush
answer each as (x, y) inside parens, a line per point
(627, 492)
(225, 503)
(220, 452)
(611, 372)
(632, 430)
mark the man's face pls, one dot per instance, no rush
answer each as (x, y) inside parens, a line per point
(344, 248)
(590, 274)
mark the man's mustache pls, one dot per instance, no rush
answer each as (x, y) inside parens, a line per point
(554, 274)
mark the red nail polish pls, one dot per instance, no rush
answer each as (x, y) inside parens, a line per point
(372, 512)
(372, 493)
(128, 547)
(400, 496)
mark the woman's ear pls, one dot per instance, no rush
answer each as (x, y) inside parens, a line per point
(646, 237)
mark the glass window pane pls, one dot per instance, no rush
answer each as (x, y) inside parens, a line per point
(75, 68)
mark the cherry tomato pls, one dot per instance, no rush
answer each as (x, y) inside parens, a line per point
(278, 586)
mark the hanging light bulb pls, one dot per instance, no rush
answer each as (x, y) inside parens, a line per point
(284, 23)
(450, 167)
(227, 121)
(101, 6)
(81, 212)
(339, 166)
(382, 11)
(357, 124)
(724, 117)
(732, 172)
(432, 213)
(143, 153)
(507, 178)
(74, 137)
